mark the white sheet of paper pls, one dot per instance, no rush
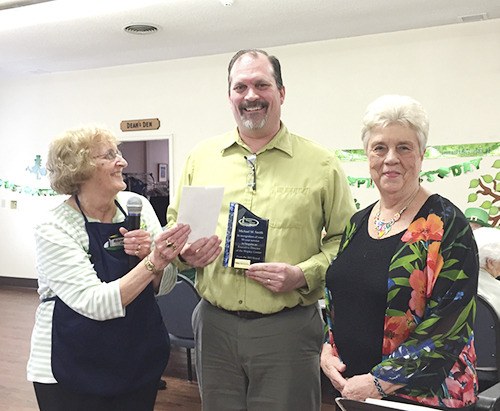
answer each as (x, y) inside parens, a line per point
(398, 405)
(200, 207)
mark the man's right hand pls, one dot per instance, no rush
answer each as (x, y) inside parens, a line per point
(202, 252)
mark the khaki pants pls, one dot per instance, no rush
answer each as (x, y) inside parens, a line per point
(270, 363)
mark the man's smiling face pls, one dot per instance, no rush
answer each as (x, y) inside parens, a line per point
(254, 96)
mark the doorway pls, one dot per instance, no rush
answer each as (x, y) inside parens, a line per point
(149, 170)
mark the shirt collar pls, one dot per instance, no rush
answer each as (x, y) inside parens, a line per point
(281, 141)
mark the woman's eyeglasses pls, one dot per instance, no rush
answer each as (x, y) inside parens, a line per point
(251, 178)
(110, 155)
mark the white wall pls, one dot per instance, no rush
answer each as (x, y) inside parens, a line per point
(453, 70)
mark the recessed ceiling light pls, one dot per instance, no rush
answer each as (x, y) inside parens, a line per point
(141, 29)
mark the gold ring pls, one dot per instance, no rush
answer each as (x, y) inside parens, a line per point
(174, 247)
(138, 247)
(137, 253)
(169, 244)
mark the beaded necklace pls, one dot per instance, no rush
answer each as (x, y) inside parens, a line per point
(383, 227)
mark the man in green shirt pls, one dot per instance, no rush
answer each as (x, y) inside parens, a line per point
(258, 331)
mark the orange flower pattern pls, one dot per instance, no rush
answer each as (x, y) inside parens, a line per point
(433, 268)
(418, 282)
(424, 230)
(432, 282)
(396, 330)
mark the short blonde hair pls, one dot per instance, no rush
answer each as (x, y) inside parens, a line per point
(392, 108)
(70, 161)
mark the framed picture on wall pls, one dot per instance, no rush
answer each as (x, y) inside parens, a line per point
(162, 172)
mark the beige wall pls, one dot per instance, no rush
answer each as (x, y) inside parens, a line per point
(453, 70)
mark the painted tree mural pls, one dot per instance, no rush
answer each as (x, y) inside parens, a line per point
(487, 191)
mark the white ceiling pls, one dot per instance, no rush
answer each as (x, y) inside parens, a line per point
(66, 35)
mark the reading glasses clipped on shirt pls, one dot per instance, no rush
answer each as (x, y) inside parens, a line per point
(110, 155)
(252, 175)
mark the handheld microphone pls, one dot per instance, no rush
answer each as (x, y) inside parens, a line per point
(134, 208)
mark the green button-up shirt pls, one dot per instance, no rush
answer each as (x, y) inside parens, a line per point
(300, 188)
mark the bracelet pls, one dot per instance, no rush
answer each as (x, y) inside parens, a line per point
(379, 387)
(150, 266)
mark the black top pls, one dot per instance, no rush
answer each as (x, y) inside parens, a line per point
(358, 283)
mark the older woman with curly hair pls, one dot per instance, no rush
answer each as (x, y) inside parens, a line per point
(99, 342)
(402, 288)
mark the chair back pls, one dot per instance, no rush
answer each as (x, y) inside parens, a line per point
(177, 308)
(487, 342)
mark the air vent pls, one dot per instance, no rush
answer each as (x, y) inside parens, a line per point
(473, 17)
(141, 29)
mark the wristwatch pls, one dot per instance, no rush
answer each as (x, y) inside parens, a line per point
(149, 265)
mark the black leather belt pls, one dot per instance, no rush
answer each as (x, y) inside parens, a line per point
(253, 315)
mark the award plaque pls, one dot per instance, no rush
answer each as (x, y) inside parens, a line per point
(246, 238)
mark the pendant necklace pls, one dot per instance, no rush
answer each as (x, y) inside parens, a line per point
(383, 227)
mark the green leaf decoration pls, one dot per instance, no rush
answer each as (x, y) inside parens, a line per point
(391, 294)
(433, 354)
(426, 324)
(438, 344)
(449, 263)
(408, 267)
(403, 281)
(395, 313)
(486, 205)
(350, 229)
(432, 304)
(493, 211)
(404, 262)
(450, 226)
(496, 164)
(453, 275)
(415, 248)
(472, 197)
(474, 183)
(465, 231)
(488, 178)
(462, 318)
(497, 177)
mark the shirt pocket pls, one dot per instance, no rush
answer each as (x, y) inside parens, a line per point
(288, 207)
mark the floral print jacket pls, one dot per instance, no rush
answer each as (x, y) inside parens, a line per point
(428, 341)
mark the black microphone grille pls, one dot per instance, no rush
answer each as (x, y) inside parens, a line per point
(134, 205)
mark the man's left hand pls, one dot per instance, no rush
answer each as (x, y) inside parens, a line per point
(277, 277)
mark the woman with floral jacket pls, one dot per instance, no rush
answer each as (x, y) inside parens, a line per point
(401, 292)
